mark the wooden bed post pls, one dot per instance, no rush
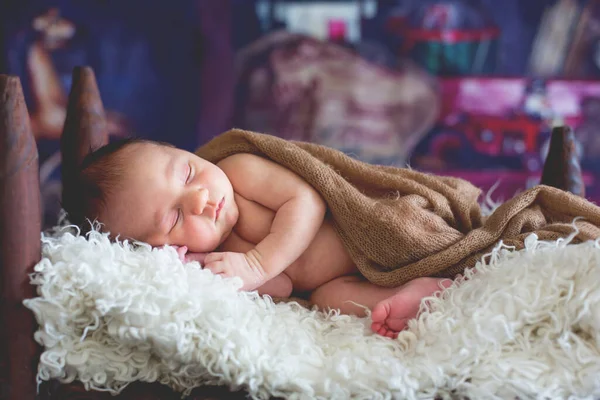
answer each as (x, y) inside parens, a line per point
(85, 127)
(561, 168)
(20, 246)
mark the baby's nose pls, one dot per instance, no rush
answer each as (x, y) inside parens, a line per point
(198, 201)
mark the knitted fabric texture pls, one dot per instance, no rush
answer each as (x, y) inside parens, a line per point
(399, 224)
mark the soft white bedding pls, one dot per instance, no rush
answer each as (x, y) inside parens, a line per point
(524, 324)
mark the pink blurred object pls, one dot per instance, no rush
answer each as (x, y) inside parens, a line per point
(336, 29)
(497, 130)
(499, 96)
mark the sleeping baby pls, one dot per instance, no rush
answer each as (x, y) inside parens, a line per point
(244, 216)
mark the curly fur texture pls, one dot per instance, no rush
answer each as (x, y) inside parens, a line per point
(520, 324)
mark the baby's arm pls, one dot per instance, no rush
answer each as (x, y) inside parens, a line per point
(279, 286)
(299, 211)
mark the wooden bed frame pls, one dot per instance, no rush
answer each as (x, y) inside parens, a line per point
(20, 226)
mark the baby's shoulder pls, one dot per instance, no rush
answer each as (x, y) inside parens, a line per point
(235, 161)
(241, 169)
(247, 166)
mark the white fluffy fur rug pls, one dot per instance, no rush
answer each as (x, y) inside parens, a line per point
(524, 324)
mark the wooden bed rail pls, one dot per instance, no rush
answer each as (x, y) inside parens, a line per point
(561, 168)
(85, 126)
(20, 227)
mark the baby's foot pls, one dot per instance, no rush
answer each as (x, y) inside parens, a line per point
(391, 315)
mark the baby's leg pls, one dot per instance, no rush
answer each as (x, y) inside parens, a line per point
(391, 308)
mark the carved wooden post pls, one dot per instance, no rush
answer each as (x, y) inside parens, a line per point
(85, 127)
(20, 227)
(561, 168)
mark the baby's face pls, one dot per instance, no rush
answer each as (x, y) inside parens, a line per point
(171, 196)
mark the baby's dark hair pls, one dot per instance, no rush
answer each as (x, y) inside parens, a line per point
(99, 175)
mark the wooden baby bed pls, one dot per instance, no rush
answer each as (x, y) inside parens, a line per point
(20, 226)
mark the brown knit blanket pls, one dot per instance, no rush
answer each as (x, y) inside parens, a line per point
(399, 224)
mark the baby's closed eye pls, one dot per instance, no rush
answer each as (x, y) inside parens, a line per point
(189, 173)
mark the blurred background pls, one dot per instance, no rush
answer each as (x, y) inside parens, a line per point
(468, 88)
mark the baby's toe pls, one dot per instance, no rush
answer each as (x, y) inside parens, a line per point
(380, 312)
(391, 334)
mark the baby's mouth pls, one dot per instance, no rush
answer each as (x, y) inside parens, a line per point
(219, 208)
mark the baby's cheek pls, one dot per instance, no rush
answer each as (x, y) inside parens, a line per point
(202, 239)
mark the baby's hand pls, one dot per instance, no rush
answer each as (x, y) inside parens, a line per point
(235, 264)
(184, 256)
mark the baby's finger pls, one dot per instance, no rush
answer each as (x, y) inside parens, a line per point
(215, 267)
(181, 252)
(212, 257)
(200, 257)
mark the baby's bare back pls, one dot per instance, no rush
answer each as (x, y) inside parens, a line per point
(324, 259)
